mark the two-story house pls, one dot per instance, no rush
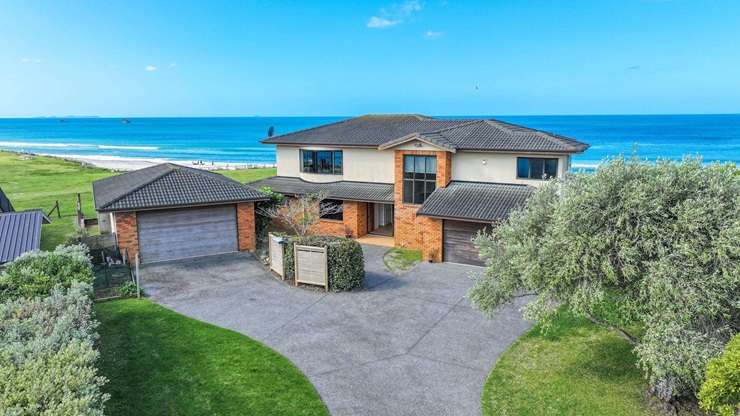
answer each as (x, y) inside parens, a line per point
(429, 183)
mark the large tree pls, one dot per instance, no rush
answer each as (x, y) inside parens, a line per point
(648, 250)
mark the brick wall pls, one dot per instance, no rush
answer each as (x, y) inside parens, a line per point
(127, 233)
(246, 226)
(421, 233)
(355, 218)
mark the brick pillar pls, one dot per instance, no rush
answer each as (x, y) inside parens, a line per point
(127, 233)
(355, 217)
(246, 226)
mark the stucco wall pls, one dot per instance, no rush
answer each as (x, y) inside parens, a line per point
(496, 167)
(364, 165)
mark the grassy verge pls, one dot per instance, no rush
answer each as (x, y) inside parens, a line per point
(38, 181)
(400, 259)
(575, 368)
(159, 362)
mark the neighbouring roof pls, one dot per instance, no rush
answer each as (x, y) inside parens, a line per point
(475, 201)
(345, 190)
(386, 131)
(5, 205)
(20, 232)
(168, 186)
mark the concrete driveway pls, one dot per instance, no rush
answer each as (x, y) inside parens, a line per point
(408, 345)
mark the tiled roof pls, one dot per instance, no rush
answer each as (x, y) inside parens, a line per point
(5, 205)
(475, 201)
(169, 185)
(385, 131)
(20, 232)
(345, 190)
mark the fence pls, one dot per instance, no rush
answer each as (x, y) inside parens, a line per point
(311, 266)
(275, 251)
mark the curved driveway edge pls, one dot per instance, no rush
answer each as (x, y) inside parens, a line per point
(408, 345)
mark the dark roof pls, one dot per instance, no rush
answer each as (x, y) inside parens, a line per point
(475, 201)
(20, 232)
(169, 185)
(385, 131)
(5, 205)
(345, 190)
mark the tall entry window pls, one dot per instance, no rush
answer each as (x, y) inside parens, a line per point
(419, 178)
(536, 168)
(321, 161)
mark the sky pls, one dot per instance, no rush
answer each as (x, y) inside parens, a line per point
(343, 58)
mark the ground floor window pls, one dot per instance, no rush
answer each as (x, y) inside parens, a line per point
(536, 168)
(332, 209)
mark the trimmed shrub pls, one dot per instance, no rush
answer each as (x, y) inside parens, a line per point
(720, 392)
(345, 261)
(47, 355)
(38, 272)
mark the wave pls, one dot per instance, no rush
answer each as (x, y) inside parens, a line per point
(102, 146)
(41, 144)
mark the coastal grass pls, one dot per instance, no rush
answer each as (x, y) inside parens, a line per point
(575, 367)
(399, 259)
(39, 181)
(159, 362)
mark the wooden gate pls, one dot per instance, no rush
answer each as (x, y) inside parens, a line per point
(276, 255)
(311, 266)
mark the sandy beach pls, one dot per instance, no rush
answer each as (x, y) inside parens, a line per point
(125, 164)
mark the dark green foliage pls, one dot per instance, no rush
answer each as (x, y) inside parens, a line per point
(128, 290)
(37, 273)
(262, 221)
(720, 392)
(346, 263)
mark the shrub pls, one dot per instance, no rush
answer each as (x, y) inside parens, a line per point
(720, 392)
(47, 355)
(345, 261)
(128, 290)
(37, 273)
(648, 250)
(262, 221)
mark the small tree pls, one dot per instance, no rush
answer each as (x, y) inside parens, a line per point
(650, 251)
(302, 213)
(262, 222)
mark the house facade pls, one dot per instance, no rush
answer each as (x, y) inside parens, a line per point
(429, 183)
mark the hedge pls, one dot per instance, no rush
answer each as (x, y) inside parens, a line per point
(47, 355)
(345, 261)
(720, 392)
(38, 272)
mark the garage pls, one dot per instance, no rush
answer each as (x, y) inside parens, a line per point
(458, 246)
(170, 212)
(183, 233)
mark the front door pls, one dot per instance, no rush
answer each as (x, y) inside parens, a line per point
(380, 219)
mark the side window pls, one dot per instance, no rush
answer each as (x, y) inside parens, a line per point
(321, 161)
(536, 168)
(332, 209)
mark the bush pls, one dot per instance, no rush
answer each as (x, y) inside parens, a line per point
(262, 221)
(37, 273)
(128, 290)
(720, 392)
(346, 263)
(47, 355)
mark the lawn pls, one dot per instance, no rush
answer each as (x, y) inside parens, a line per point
(159, 362)
(575, 368)
(399, 259)
(38, 181)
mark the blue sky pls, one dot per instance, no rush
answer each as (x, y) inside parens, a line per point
(345, 58)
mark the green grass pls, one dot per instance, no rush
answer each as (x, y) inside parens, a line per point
(38, 181)
(400, 259)
(576, 368)
(159, 362)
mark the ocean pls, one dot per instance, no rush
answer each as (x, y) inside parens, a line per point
(713, 137)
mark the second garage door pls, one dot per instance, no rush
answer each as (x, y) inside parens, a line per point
(458, 244)
(190, 232)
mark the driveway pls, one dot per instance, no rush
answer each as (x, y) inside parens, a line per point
(410, 344)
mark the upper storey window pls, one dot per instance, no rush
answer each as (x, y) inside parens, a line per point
(321, 161)
(536, 168)
(419, 178)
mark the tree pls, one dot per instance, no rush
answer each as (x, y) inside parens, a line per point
(302, 213)
(647, 250)
(262, 222)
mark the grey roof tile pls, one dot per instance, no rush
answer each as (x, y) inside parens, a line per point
(20, 232)
(385, 131)
(345, 190)
(475, 201)
(169, 185)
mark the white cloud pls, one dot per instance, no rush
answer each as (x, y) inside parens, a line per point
(394, 15)
(172, 64)
(150, 68)
(31, 60)
(376, 22)
(430, 34)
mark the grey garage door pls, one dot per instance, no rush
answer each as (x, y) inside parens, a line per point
(458, 244)
(189, 232)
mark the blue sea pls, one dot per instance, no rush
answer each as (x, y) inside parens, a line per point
(714, 137)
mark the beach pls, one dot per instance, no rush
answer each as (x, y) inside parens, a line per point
(132, 163)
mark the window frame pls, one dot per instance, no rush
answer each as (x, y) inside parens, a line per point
(542, 176)
(336, 168)
(414, 179)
